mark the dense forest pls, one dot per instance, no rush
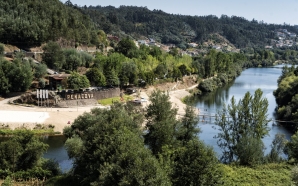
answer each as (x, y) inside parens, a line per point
(33, 22)
(182, 29)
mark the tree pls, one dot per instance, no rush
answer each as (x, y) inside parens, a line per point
(196, 164)
(125, 46)
(277, 148)
(291, 148)
(242, 127)
(210, 63)
(111, 150)
(20, 76)
(161, 122)
(96, 77)
(77, 81)
(72, 59)
(4, 83)
(129, 72)
(187, 128)
(40, 70)
(53, 56)
(1, 49)
(21, 152)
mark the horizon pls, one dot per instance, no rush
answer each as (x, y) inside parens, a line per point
(277, 12)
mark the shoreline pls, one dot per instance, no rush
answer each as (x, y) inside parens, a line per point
(15, 115)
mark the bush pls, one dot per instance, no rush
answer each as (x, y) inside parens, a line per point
(207, 85)
(294, 175)
(223, 78)
(52, 166)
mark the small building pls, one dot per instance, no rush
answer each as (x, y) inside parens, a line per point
(55, 80)
(193, 45)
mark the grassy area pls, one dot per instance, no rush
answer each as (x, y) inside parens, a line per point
(265, 175)
(109, 101)
(39, 129)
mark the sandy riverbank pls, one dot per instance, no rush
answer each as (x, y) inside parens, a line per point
(16, 116)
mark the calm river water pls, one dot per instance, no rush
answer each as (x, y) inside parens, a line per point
(250, 80)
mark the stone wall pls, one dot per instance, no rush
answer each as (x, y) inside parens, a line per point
(97, 95)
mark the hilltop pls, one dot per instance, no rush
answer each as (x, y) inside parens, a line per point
(33, 23)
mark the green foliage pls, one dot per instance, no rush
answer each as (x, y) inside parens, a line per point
(196, 164)
(52, 20)
(41, 83)
(161, 122)
(77, 81)
(1, 49)
(294, 175)
(286, 96)
(292, 147)
(114, 152)
(126, 46)
(16, 76)
(277, 148)
(243, 126)
(52, 166)
(187, 129)
(74, 146)
(129, 73)
(53, 55)
(96, 77)
(207, 85)
(40, 70)
(180, 29)
(267, 175)
(7, 181)
(21, 152)
(72, 59)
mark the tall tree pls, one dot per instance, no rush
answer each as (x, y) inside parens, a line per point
(242, 127)
(187, 128)
(161, 122)
(53, 56)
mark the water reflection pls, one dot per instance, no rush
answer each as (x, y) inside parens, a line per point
(57, 151)
(250, 80)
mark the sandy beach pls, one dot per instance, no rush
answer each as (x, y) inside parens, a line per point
(17, 116)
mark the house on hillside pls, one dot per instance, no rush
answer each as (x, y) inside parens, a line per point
(55, 80)
(193, 45)
(113, 38)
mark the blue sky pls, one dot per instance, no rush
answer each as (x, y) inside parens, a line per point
(269, 11)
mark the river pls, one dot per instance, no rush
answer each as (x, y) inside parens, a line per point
(249, 80)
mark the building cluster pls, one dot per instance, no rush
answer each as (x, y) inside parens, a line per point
(284, 39)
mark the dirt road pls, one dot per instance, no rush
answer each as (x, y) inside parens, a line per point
(17, 116)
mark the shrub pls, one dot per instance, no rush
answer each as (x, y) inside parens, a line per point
(207, 85)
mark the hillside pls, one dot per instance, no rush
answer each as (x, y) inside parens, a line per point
(34, 22)
(182, 29)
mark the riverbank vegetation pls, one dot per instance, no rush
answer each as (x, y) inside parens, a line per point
(286, 96)
(109, 147)
(38, 129)
(21, 158)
